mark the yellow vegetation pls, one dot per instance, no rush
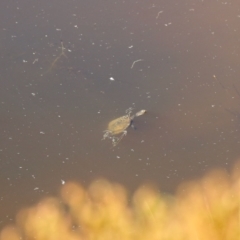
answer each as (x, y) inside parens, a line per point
(205, 209)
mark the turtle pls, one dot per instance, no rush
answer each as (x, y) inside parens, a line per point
(119, 125)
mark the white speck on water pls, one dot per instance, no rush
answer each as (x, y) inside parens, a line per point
(58, 29)
(25, 61)
(42, 132)
(36, 188)
(34, 94)
(213, 105)
(118, 157)
(130, 46)
(112, 79)
(142, 141)
(33, 176)
(132, 150)
(167, 24)
(76, 26)
(63, 182)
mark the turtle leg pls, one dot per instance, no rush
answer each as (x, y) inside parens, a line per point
(129, 111)
(116, 141)
(107, 134)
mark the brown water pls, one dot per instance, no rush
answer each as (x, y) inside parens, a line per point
(58, 60)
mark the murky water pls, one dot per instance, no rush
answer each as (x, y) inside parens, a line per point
(68, 68)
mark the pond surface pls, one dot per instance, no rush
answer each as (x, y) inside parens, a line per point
(70, 67)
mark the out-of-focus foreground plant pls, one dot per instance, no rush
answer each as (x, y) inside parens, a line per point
(205, 209)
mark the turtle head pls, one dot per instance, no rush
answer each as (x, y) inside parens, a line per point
(140, 113)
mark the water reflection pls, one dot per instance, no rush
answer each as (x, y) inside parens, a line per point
(207, 208)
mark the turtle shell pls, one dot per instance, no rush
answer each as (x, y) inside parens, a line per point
(118, 125)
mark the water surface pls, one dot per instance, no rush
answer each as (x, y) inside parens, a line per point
(69, 67)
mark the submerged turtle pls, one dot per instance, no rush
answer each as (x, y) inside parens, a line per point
(119, 125)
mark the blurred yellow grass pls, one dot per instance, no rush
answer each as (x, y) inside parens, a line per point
(204, 209)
